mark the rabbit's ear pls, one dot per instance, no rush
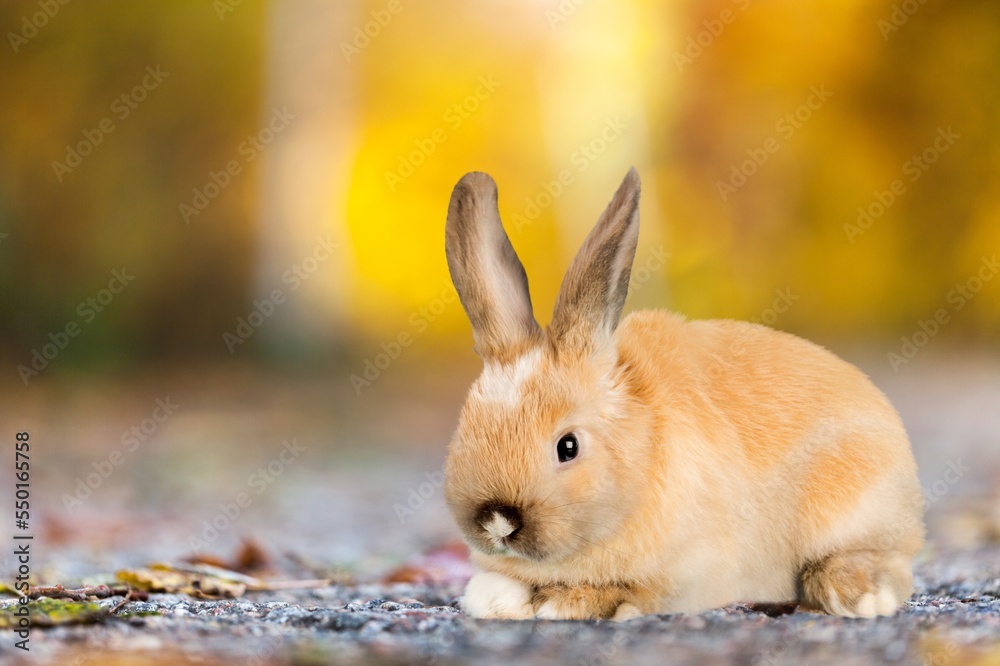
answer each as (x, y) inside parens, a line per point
(593, 292)
(488, 276)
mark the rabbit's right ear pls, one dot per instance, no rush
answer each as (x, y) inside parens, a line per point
(590, 301)
(488, 276)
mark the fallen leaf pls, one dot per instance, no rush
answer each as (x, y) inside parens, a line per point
(208, 570)
(207, 558)
(161, 578)
(251, 557)
(211, 587)
(206, 581)
(447, 564)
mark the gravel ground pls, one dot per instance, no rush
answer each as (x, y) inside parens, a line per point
(356, 513)
(954, 618)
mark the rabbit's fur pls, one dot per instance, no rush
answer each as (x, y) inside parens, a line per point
(718, 461)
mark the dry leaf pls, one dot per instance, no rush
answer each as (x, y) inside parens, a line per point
(446, 564)
(161, 578)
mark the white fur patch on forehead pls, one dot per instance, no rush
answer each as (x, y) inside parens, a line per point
(503, 383)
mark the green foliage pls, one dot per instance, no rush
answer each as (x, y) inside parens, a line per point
(45, 612)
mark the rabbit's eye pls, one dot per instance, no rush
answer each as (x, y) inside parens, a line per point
(567, 448)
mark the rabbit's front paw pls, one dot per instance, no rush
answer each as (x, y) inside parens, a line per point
(583, 602)
(491, 595)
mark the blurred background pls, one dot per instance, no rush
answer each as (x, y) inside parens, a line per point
(221, 232)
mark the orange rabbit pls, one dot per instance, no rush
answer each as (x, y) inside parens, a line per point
(610, 468)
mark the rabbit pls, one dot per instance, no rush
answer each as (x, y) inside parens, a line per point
(609, 468)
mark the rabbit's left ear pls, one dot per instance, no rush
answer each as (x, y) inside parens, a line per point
(592, 296)
(488, 276)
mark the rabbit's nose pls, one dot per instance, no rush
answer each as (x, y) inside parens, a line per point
(500, 521)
